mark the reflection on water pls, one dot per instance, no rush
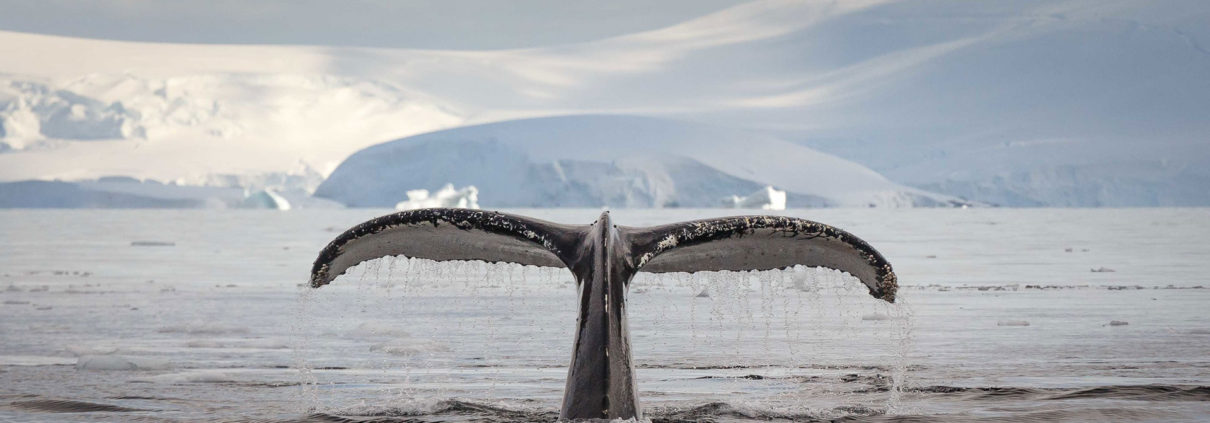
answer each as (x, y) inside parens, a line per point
(215, 325)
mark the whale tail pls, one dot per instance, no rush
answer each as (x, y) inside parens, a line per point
(604, 257)
(730, 243)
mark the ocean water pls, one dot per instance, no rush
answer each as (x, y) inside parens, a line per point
(1004, 315)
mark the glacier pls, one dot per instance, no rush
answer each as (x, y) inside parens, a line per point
(611, 161)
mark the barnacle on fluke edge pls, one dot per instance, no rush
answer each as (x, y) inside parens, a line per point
(604, 257)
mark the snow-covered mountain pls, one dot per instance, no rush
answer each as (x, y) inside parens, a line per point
(127, 193)
(1065, 103)
(618, 161)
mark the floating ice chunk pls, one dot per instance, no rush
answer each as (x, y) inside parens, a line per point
(1118, 323)
(447, 196)
(119, 362)
(1101, 269)
(265, 199)
(766, 198)
(1012, 323)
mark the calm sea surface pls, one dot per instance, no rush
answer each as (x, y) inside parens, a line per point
(1005, 315)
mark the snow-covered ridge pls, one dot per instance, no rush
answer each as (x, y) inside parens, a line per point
(611, 160)
(194, 128)
(126, 193)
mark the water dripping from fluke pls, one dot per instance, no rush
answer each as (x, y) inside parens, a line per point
(604, 257)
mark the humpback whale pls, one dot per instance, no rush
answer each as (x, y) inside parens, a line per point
(604, 257)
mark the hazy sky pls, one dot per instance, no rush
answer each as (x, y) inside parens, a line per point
(437, 24)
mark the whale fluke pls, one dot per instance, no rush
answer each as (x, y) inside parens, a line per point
(604, 258)
(448, 234)
(760, 243)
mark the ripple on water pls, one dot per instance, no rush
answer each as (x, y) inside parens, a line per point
(69, 406)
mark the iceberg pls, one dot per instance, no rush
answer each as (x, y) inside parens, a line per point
(447, 196)
(265, 199)
(610, 161)
(767, 198)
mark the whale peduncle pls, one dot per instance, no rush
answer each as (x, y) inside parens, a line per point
(600, 379)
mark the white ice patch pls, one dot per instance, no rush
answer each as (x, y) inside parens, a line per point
(447, 196)
(766, 198)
